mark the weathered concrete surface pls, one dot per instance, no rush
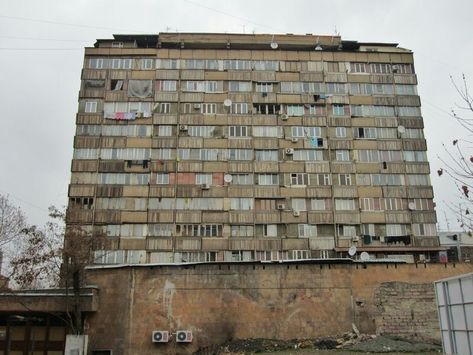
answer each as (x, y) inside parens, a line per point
(219, 302)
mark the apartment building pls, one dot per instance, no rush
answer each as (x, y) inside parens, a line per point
(196, 147)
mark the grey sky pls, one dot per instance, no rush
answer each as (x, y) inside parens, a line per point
(40, 83)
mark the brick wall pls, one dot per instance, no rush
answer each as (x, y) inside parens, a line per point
(219, 302)
(407, 310)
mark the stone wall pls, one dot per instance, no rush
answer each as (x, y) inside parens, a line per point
(219, 302)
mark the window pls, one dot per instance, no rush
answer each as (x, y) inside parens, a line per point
(359, 68)
(346, 231)
(208, 109)
(267, 131)
(268, 179)
(242, 179)
(264, 87)
(125, 153)
(203, 86)
(299, 204)
(270, 230)
(241, 203)
(266, 109)
(335, 88)
(242, 231)
(166, 85)
(162, 178)
(380, 68)
(239, 108)
(387, 179)
(160, 230)
(344, 204)
(163, 153)
(199, 230)
(299, 131)
(265, 65)
(338, 110)
(236, 65)
(413, 133)
(406, 90)
(344, 179)
(307, 230)
(418, 180)
(201, 179)
(165, 131)
(240, 154)
(266, 155)
(295, 110)
(403, 68)
(323, 179)
(386, 133)
(396, 230)
(370, 204)
(308, 155)
(394, 204)
(147, 63)
(423, 204)
(90, 106)
(342, 155)
(424, 229)
(238, 131)
(239, 86)
(164, 107)
(123, 179)
(88, 130)
(367, 133)
(300, 179)
(96, 63)
(167, 64)
(415, 155)
(340, 132)
(194, 63)
(200, 131)
(409, 111)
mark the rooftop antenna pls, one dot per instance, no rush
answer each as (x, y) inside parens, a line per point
(168, 28)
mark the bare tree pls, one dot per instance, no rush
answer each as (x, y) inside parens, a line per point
(12, 221)
(458, 164)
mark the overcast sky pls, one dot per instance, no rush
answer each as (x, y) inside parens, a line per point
(41, 55)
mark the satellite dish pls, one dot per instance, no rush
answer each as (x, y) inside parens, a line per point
(352, 250)
(364, 256)
(227, 178)
(274, 45)
(227, 102)
(411, 206)
(401, 129)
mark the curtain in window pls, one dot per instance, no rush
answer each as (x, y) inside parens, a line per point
(140, 88)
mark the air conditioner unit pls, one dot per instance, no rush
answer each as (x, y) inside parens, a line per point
(160, 336)
(183, 127)
(355, 238)
(295, 140)
(296, 213)
(183, 336)
(284, 117)
(196, 106)
(281, 206)
(289, 151)
(205, 186)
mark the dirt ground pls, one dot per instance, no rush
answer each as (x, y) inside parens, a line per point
(345, 345)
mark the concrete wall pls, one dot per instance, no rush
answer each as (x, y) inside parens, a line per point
(219, 302)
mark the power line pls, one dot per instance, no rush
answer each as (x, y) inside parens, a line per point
(40, 49)
(64, 23)
(232, 15)
(45, 39)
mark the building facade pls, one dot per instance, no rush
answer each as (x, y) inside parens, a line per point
(225, 147)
